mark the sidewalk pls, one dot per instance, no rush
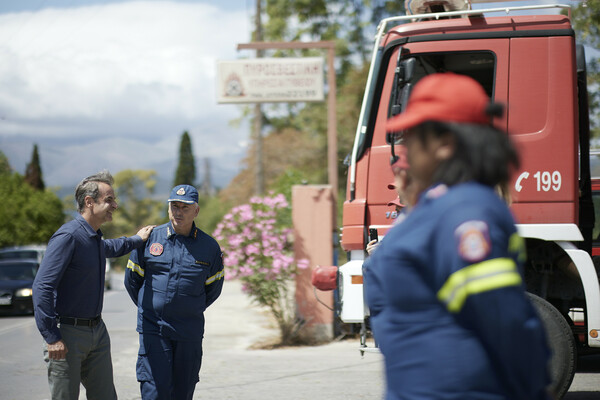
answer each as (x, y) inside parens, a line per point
(233, 369)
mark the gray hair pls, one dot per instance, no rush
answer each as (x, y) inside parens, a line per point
(89, 187)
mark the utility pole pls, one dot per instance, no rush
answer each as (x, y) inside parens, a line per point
(259, 184)
(207, 187)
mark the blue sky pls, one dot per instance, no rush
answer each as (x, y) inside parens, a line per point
(113, 84)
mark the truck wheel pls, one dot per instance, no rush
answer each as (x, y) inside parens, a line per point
(562, 344)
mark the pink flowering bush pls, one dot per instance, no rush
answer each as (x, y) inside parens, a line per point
(257, 249)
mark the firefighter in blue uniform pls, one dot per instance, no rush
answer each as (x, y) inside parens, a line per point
(445, 291)
(172, 280)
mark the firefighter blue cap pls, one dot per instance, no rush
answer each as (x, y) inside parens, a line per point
(184, 194)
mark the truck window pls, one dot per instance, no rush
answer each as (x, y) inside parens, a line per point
(479, 65)
(596, 232)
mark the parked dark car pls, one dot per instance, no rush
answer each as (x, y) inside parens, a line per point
(16, 280)
(37, 251)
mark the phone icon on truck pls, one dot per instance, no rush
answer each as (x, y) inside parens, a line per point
(518, 186)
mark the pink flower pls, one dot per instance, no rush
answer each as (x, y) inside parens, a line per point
(256, 247)
(235, 240)
(252, 249)
(303, 263)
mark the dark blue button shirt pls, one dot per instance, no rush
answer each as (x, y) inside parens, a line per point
(70, 281)
(172, 280)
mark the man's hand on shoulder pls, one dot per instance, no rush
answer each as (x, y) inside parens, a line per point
(144, 233)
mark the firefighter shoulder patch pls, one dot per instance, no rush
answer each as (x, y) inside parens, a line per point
(156, 249)
(473, 241)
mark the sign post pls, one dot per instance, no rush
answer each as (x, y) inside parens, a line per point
(331, 104)
(270, 80)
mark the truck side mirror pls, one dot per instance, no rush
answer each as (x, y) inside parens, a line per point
(408, 65)
(405, 70)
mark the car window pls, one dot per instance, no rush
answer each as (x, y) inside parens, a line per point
(18, 271)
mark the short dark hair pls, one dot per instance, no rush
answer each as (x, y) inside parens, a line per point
(482, 153)
(89, 187)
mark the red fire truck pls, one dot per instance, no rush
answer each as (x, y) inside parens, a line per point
(525, 57)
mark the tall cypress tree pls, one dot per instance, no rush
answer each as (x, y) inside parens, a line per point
(33, 172)
(186, 169)
(4, 164)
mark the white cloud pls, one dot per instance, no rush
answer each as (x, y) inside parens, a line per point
(115, 86)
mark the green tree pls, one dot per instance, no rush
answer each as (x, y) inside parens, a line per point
(186, 169)
(586, 20)
(28, 215)
(212, 210)
(137, 206)
(351, 24)
(4, 164)
(33, 172)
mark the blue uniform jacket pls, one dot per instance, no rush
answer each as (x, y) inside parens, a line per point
(70, 281)
(172, 280)
(448, 306)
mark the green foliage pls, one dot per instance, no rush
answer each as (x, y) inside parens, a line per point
(384, 8)
(137, 206)
(284, 183)
(186, 169)
(351, 25)
(212, 210)
(257, 250)
(28, 216)
(4, 164)
(33, 172)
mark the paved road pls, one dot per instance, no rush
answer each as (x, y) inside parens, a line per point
(231, 369)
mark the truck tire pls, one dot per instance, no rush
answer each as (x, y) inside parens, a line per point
(562, 344)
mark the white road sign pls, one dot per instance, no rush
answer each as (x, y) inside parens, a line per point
(269, 80)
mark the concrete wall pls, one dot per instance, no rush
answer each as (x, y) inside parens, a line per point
(312, 217)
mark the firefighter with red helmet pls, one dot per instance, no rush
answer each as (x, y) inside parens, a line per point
(445, 287)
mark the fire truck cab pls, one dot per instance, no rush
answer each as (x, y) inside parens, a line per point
(527, 59)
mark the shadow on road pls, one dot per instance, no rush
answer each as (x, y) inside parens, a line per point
(581, 396)
(590, 363)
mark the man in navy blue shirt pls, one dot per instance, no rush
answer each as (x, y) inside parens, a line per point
(68, 293)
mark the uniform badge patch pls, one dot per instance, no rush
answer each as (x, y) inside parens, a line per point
(437, 191)
(181, 191)
(473, 240)
(156, 249)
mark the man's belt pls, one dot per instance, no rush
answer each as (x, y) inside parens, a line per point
(80, 321)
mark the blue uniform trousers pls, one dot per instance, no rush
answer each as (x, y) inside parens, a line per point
(168, 369)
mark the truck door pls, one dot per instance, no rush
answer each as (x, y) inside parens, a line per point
(543, 123)
(486, 60)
